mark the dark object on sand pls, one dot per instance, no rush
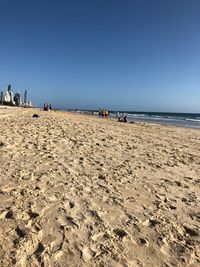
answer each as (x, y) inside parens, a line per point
(36, 116)
(1, 143)
(131, 122)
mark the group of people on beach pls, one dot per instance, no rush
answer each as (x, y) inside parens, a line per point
(103, 113)
(47, 107)
(121, 117)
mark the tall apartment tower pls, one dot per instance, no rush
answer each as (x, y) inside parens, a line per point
(1, 97)
(25, 97)
(9, 88)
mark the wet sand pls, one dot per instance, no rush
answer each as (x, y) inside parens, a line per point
(82, 191)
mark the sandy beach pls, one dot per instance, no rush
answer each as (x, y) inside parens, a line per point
(82, 191)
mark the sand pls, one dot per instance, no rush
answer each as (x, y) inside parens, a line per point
(82, 191)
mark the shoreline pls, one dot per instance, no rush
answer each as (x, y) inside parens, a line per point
(136, 121)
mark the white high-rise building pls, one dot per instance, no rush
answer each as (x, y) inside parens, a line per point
(8, 98)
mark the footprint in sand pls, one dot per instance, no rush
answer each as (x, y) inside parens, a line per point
(143, 242)
(120, 233)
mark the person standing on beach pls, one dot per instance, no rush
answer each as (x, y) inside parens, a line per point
(46, 106)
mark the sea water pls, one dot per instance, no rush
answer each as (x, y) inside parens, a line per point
(191, 120)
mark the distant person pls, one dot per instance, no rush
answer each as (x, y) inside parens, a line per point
(45, 106)
(120, 117)
(49, 106)
(125, 118)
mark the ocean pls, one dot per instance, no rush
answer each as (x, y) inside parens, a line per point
(190, 120)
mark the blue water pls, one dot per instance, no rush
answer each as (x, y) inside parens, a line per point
(178, 119)
(190, 120)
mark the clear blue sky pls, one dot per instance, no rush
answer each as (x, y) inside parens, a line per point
(121, 54)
